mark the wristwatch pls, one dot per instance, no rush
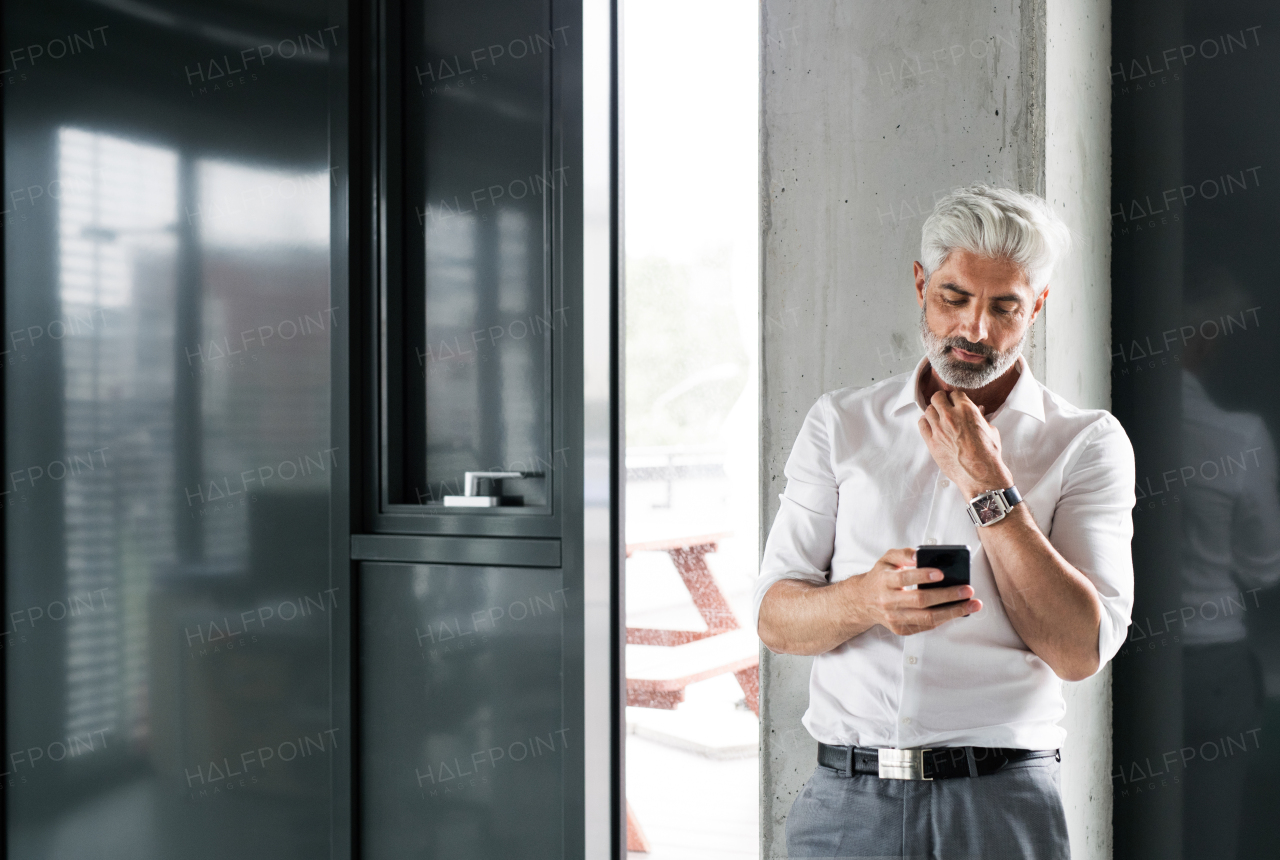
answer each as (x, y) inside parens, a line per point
(992, 506)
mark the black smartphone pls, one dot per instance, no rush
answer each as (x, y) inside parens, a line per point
(953, 561)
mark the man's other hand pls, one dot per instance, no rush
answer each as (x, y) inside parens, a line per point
(965, 447)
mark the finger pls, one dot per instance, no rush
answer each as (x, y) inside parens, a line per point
(935, 596)
(919, 620)
(926, 430)
(963, 401)
(897, 558)
(960, 611)
(937, 616)
(933, 417)
(916, 575)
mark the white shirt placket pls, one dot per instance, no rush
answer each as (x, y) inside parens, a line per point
(912, 688)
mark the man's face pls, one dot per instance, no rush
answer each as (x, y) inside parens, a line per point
(974, 317)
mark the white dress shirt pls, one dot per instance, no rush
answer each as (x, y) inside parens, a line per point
(860, 482)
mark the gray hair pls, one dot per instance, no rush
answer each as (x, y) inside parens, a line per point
(998, 223)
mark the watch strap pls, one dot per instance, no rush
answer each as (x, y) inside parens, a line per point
(1012, 496)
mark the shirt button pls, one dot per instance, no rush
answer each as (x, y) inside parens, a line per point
(906, 721)
(944, 483)
(911, 660)
(931, 541)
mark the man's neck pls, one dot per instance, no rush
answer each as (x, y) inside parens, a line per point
(990, 396)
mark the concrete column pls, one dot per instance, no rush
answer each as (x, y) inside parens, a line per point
(868, 113)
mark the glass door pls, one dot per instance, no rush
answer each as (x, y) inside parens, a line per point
(470, 309)
(468, 558)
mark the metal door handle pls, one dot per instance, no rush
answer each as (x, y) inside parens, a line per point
(471, 497)
(471, 480)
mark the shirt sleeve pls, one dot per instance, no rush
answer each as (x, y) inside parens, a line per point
(802, 539)
(1255, 526)
(1093, 526)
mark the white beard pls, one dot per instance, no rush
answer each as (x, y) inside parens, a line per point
(962, 374)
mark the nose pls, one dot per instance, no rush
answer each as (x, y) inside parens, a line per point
(973, 325)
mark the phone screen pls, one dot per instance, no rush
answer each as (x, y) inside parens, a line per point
(953, 561)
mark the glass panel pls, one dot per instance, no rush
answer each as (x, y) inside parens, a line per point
(462, 726)
(692, 424)
(167, 433)
(470, 316)
(1194, 368)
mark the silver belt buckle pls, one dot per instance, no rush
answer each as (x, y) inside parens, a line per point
(902, 764)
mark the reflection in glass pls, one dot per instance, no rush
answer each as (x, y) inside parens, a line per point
(244, 206)
(1197, 685)
(1230, 551)
(117, 213)
(469, 306)
(167, 452)
(464, 734)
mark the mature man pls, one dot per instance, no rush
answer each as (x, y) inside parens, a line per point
(967, 449)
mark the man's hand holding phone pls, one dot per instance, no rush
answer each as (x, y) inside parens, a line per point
(885, 592)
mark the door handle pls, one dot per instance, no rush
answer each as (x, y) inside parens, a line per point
(471, 497)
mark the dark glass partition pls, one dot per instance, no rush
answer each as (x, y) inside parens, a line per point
(211, 642)
(468, 671)
(464, 723)
(167, 429)
(1195, 358)
(469, 184)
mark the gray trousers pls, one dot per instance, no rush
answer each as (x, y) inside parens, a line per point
(1015, 813)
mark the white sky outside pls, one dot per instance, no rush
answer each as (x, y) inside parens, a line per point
(690, 111)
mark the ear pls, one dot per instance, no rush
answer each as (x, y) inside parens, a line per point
(918, 270)
(1039, 305)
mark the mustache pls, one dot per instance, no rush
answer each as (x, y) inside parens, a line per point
(969, 346)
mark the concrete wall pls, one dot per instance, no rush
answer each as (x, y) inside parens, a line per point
(1078, 338)
(868, 113)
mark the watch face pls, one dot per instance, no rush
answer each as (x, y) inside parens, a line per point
(988, 508)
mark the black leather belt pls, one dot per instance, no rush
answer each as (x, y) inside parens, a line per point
(940, 763)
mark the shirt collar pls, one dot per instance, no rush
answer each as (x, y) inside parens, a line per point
(1025, 396)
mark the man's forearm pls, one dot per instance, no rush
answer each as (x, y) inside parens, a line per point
(1052, 606)
(799, 617)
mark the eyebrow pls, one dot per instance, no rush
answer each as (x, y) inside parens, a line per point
(1009, 297)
